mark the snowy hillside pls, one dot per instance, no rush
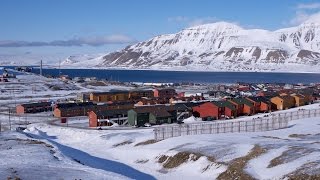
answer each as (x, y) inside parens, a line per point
(227, 47)
(287, 153)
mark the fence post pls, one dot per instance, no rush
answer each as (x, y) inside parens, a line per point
(188, 129)
(239, 126)
(232, 127)
(246, 125)
(163, 134)
(155, 134)
(172, 131)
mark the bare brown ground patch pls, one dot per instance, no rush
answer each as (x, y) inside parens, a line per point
(122, 143)
(305, 172)
(150, 141)
(304, 177)
(273, 137)
(30, 141)
(170, 162)
(298, 135)
(236, 167)
(142, 161)
(291, 154)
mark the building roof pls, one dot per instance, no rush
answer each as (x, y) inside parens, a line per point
(158, 111)
(192, 104)
(242, 101)
(139, 90)
(39, 104)
(113, 112)
(286, 98)
(71, 105)
(224, 104)
(110, 93)
(166, 89)
(298, 95)
(259, 99)
(181, 107)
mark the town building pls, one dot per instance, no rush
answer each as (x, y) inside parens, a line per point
(164, 93)
(215, 110)
(243, 106)
(33, 107)
(109, 96)
(283, 102)
(107, 117)
(82, 109)
(153, 115)
(138, 94)
(260, 103)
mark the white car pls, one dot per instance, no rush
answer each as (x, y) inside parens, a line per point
(147, 125)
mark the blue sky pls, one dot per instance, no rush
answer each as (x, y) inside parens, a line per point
(105, 25)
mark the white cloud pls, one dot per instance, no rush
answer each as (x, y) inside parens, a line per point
(192, 21)
(204, 20)
(76, 41)
(299, 18)
(304, 11)
(308, 6)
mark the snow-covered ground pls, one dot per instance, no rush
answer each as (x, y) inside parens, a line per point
(294, 148)
(25, 158)
(42, 149)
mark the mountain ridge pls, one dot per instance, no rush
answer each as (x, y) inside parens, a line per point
(225, 46)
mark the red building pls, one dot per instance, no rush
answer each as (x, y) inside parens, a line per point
(164, 93)
(33, 107)
(215, 110)
(107, 117)
(243, 106)
(260, 103)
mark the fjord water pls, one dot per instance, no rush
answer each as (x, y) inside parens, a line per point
(184, 76)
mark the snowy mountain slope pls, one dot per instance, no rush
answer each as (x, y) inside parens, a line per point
(225, 46)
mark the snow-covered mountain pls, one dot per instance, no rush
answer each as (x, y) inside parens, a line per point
(224, 46)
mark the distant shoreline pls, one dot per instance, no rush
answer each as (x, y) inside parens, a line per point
(179, 69)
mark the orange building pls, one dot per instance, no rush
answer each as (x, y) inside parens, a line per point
(244, 106)
(260, 103)
(300, 100)
(109, 96)
(283, 102)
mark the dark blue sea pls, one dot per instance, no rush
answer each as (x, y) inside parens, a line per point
(184, 76)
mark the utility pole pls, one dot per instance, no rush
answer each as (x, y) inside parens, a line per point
(9, 119)
(59, 69)
(41, 68)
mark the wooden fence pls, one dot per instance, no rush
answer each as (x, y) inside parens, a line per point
(266, 123)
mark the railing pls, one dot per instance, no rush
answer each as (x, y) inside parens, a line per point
(266, 123)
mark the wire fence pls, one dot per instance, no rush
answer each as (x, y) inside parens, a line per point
(259, 124)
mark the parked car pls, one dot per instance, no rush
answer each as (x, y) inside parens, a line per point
(20, 129)
(147, 125)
